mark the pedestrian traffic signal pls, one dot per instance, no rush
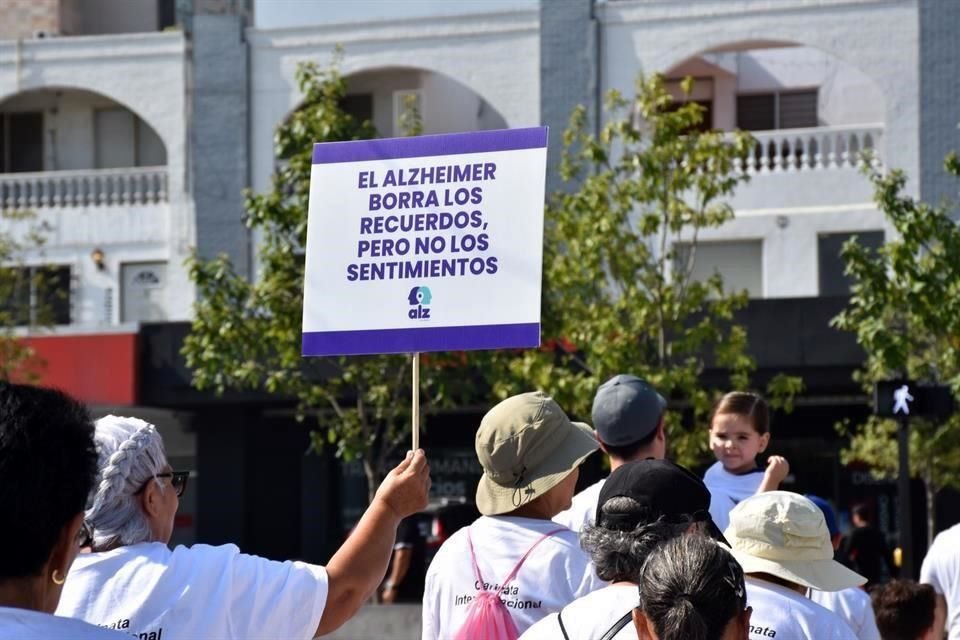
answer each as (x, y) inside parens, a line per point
(907, 399)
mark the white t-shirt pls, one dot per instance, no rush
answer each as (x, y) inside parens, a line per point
(727, 490)
(854, 606)
(583, 508)
(554, 575)
(26, 624)
(781, 613)
(591, 616)
(941, 570)
(194, 592)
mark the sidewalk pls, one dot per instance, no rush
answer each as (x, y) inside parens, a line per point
(379, 622)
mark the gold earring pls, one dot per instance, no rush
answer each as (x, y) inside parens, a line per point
(57, 580)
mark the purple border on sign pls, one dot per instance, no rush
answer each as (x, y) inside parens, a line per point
(375, 341)
(435, 145)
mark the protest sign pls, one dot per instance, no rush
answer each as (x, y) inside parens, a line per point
(429, 243)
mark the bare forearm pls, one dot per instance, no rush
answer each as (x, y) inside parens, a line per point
(359, 565)
(400, 566)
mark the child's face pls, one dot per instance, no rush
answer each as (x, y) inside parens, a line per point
(735, 442)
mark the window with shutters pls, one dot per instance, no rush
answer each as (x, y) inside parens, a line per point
(38, 295)
(739, 263)
(779, 110)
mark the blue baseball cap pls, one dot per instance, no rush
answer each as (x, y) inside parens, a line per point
(626, 409)
(828, 514)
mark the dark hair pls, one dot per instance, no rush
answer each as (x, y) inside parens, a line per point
(630, 450)
(619, 555)
(863, 511)
(690, 589)
(904, 609)
(47, 465)
(749, 405)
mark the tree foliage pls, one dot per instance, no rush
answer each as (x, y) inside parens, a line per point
(619, 255)
(247, 335)
(905, 312)
(25, 293)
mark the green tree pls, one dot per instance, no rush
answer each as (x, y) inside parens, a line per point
(26, 293)
(619, 254)
(905, 312)
(247, 335)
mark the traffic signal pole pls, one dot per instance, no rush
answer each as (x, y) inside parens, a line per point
(905, 522)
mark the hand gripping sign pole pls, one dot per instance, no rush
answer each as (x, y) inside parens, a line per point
(430, 243)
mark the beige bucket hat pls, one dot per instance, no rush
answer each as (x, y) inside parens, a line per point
(784, 534)
(526, 446)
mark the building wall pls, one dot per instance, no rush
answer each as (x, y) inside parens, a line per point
(219, 135)
(24, 18)
(877, 39)
(451, 47)
(146, 74)
(939, 97)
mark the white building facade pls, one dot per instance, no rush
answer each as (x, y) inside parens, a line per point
(816, 83)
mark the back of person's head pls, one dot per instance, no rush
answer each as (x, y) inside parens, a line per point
(130, 453)
(751, 406)
(691, 588)
(642, 504)
(904, 609)
(47, 466)
(784, 535)
(863, 512)
(627, 415)
(528, 447)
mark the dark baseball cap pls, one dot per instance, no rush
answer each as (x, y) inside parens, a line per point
(663, 489)
(626, 409)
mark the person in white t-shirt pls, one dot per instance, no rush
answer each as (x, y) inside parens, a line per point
(628, 418)
(853, 604)
(907, 611)
(739, 432)
(47, 466)
(691, 588)
(941, 570)
(781, 541)
(132, 581)
(642, 505)
(530, 452)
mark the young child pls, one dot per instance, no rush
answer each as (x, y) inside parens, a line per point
(739, 431)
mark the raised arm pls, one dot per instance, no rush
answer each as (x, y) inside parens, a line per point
(356, 569)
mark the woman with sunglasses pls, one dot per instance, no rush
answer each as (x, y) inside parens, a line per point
(692, 588)
(132, 581)
(47, 466)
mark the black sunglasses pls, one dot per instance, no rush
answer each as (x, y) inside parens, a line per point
(178, 480)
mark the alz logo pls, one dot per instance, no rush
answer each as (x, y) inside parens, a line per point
(419, 299)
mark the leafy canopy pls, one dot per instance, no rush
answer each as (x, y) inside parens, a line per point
(619, 255)
(905, 312)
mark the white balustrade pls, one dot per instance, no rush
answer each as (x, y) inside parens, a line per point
(815, 149)
(87, 188)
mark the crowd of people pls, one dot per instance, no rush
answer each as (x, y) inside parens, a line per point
(651, 552)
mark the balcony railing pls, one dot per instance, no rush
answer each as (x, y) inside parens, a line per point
(86, 188)
(814, 149)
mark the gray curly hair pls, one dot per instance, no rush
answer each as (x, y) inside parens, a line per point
(619, 555)
(129, 453)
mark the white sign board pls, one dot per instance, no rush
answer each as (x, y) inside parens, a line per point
(430, 243)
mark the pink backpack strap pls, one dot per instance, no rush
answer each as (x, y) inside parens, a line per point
(513, 574)
(473, 558)
(516, 568)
